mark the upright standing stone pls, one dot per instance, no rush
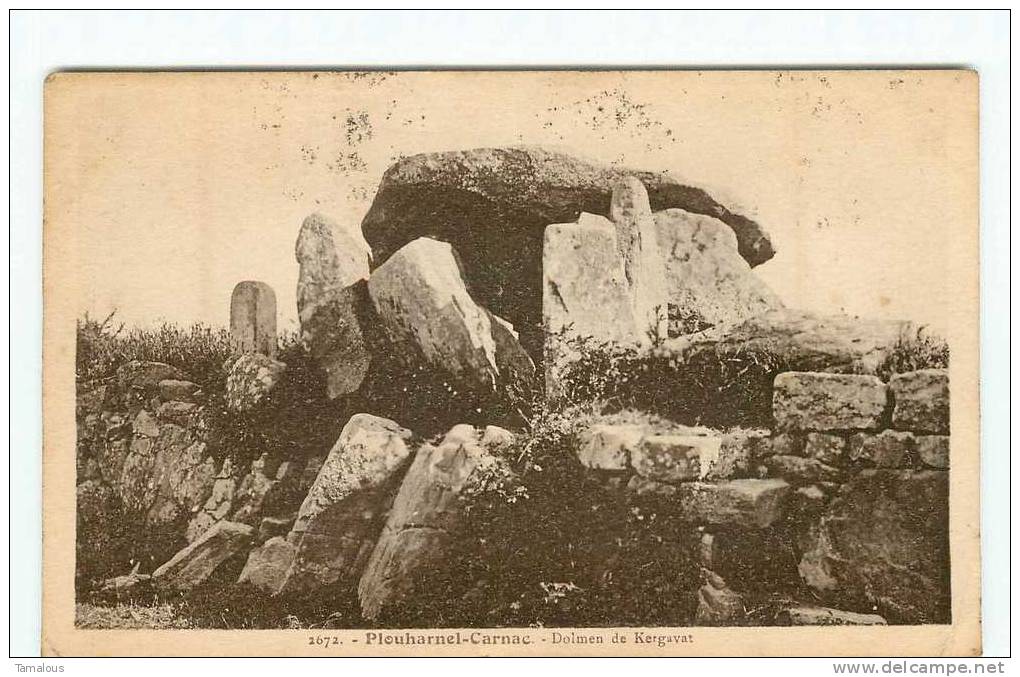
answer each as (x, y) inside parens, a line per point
(584, 293)
(253, 318)
(637, 242)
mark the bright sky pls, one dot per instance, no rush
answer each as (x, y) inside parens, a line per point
(173, 187)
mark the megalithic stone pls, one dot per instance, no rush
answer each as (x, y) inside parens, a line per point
(637, 242)
(584, 294)
(253, 318)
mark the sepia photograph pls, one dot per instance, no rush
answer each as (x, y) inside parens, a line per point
(557, 362)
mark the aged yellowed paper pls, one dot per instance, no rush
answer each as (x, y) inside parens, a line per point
(511, 363)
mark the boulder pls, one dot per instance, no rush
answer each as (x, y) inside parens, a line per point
(584, 294)
(921, 401)
(198, 560)
(177, 389)
(253, 318)
(251, 378)
(342, 514)
(425, 517)
(799, 340)
(708, 282)
(267, 567)
(884, 541)
(817, 615)
(933, 450)
(824, 402)
(330, 258)
(422, 302)
(637, 243)
(145, 376)
(177, 412)
(492, 204)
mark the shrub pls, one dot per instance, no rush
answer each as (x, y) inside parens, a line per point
(198, 350)
(921, 350)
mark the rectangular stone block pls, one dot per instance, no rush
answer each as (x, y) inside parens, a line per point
(800, 470)
(921, 401)
(803, 400)
(676, 458)
(828, 449)
(747, 504)
(887, 449)
(608, 447)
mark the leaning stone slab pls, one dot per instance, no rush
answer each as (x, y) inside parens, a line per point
(824, 402)
(746, 503)
(424, 518)
(637, 243)
(268, 565)
(921, 401)
(676, 458)
(818, 615)
(196, 562)
(253, 318)
(342, 514)
(252, 377)
(422, 301)
(585, 295)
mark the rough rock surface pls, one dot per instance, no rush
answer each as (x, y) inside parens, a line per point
(817, 615)
(335, 332)
(885, 541)
(251, 378)
(637, 243)
(921, 401)
(197, 561)
(467, 197)
(717, 603)
(253, 318)
(584, 293)
(887, 449)
(425, 516)
(709, 283)
(829, 449)
(330, 258)
(177, 389)
(422, 301)
(800, 340)
(740, 504)
(608, 446)
(800, 470)
(342, 514)
(676, 458)
(817, 401)
(933, 450)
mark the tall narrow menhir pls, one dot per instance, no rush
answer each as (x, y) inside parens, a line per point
(253, 318)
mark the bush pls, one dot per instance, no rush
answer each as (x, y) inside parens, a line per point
(198, 350)
(922, 350)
